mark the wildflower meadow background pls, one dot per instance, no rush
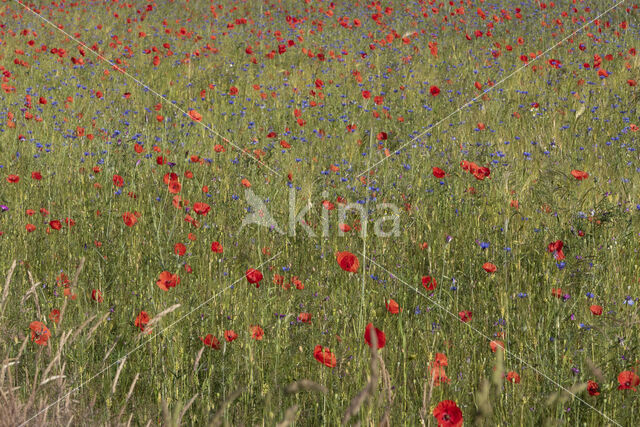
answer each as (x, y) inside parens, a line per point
(500, 138)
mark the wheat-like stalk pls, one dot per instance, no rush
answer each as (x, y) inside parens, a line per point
(386, 378)
(109, 351)
(76, 276)
(98, 323)
(426, 399)
(289, 416)
(5, 290)
(115, 380)
(198, 356)
(33, 290)
(159, 316)
(484, 410)
(22, 347)
(6, 364)
(62, 311)
(216, 421)
(81, 328)
(34, 386)
(185, 409)
(126, 400)
(63, 340)
(55, 377)
(596, 371)
(303, 385)
(367, 391)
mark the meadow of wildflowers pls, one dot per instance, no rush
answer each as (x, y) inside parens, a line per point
(318, 213)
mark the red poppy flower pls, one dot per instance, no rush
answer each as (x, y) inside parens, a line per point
(382, 339)
(304, 317)
(429, 283)
(233, 90)
(434, 90)
(495, 344)
(593, 388)
(628, 380)
(437, 371)
(579, 175)
(230, 335)
(142, 319)
(324, 356)
(481, 173)
(201, 208)
(448, 414)
(328, 205)
(55, 224)
(195, 116)
(174, 187)
(555, 63)
(167, 280)
(513, 377)
(54, 315)
(392, 307)
(254, 277)
(179, 249)
(216, 247)
(489, 267)
(297, 282)
(465, 316)
(211, 341)
(348, 261)
(345, 228)
(596, 310)
(441, 359)
(129, 219)
(556, 292)
(118, 181)
(36, 175)
(96, 295)
(556, 249)
(39, 333)
(257, 332)
(438, 173)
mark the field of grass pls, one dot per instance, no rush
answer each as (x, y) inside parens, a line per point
(464, 176)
